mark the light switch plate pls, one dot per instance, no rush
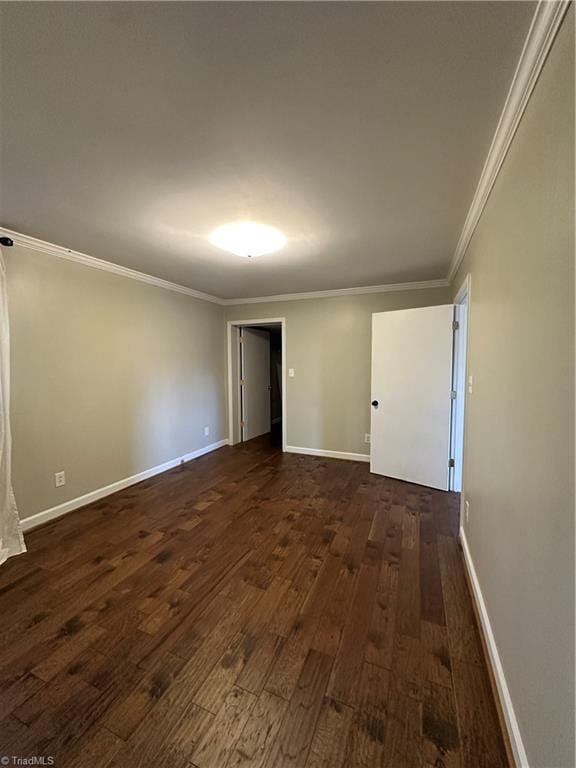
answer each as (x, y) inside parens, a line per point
(291, 372)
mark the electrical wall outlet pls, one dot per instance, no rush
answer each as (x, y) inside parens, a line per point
(466, 510)
(367, 437)
(470, 384)
(60, 479)
(206, 431)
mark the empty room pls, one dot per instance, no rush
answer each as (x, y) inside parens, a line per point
(287, 384)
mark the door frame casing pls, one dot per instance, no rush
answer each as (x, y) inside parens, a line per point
(232, 391)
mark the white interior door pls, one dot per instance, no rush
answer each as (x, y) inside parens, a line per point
(459, 387)
(255, 382)
(411, 386)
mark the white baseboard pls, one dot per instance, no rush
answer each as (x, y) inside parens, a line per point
(328, 454)
(512, 727)
(68, 506)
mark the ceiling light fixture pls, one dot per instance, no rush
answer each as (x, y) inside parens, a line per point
(248, 238)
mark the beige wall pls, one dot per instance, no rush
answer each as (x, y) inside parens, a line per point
(110, 376)
(519, 450)
(328, 345)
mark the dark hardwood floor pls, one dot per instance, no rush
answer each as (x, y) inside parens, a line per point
(250, 608)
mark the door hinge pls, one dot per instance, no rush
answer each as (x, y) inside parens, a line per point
(242, 382)
(455, 325)
(242, 423)
(451, 463)
(453, 394)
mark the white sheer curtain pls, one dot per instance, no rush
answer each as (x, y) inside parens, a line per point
(11, 538)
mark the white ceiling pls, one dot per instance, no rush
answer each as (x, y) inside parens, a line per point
(130, 130)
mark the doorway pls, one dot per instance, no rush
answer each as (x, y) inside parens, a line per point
(256, 379)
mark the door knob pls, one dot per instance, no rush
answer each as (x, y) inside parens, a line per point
(375, 403)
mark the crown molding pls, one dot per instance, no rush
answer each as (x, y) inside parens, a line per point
(387, 288)
(543, 28)
(107, 266)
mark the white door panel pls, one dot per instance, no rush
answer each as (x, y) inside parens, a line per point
(459, 386)
(411, 380)
(256, 386)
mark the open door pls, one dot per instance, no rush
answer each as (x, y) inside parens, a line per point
(255, 382)
(459, 385)
(411, 394)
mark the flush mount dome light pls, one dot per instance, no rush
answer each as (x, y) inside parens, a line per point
(248, 238)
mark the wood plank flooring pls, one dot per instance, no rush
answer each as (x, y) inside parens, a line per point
(250, 609)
